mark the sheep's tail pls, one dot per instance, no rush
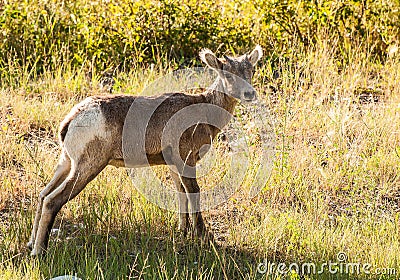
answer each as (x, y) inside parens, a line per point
(63, 130)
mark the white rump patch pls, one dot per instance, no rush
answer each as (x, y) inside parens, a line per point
(87, 125)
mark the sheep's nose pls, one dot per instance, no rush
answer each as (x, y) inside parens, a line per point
(249, 95)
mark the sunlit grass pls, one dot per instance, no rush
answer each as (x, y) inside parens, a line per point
(334, 186)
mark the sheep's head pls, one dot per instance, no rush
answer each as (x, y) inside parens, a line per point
(235, 72)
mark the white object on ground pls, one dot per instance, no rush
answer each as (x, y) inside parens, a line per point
(66, 277)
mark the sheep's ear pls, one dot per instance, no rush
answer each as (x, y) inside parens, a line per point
(209, 58)
(255, 55)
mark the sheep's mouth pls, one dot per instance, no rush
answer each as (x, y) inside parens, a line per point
(253, 100)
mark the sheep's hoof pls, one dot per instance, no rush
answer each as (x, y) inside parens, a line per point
(36, 252)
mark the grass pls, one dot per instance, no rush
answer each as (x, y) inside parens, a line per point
(334, 185)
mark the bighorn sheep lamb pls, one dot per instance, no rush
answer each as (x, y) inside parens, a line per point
(91, 138)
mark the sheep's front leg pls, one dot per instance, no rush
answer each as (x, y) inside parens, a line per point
(182, 202)
(193, 194)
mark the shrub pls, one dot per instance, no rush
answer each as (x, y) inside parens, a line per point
(40, 35)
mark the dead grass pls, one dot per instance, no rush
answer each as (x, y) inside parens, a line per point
(334, 186)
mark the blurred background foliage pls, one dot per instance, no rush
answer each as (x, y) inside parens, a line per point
(42, 34)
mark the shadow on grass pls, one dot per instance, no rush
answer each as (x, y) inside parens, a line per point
(138, 250)
(143, 253)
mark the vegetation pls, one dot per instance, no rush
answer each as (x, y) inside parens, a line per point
(42, 34)
(331, 80)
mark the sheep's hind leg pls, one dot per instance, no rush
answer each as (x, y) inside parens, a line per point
(62, 170)
(79, 177)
